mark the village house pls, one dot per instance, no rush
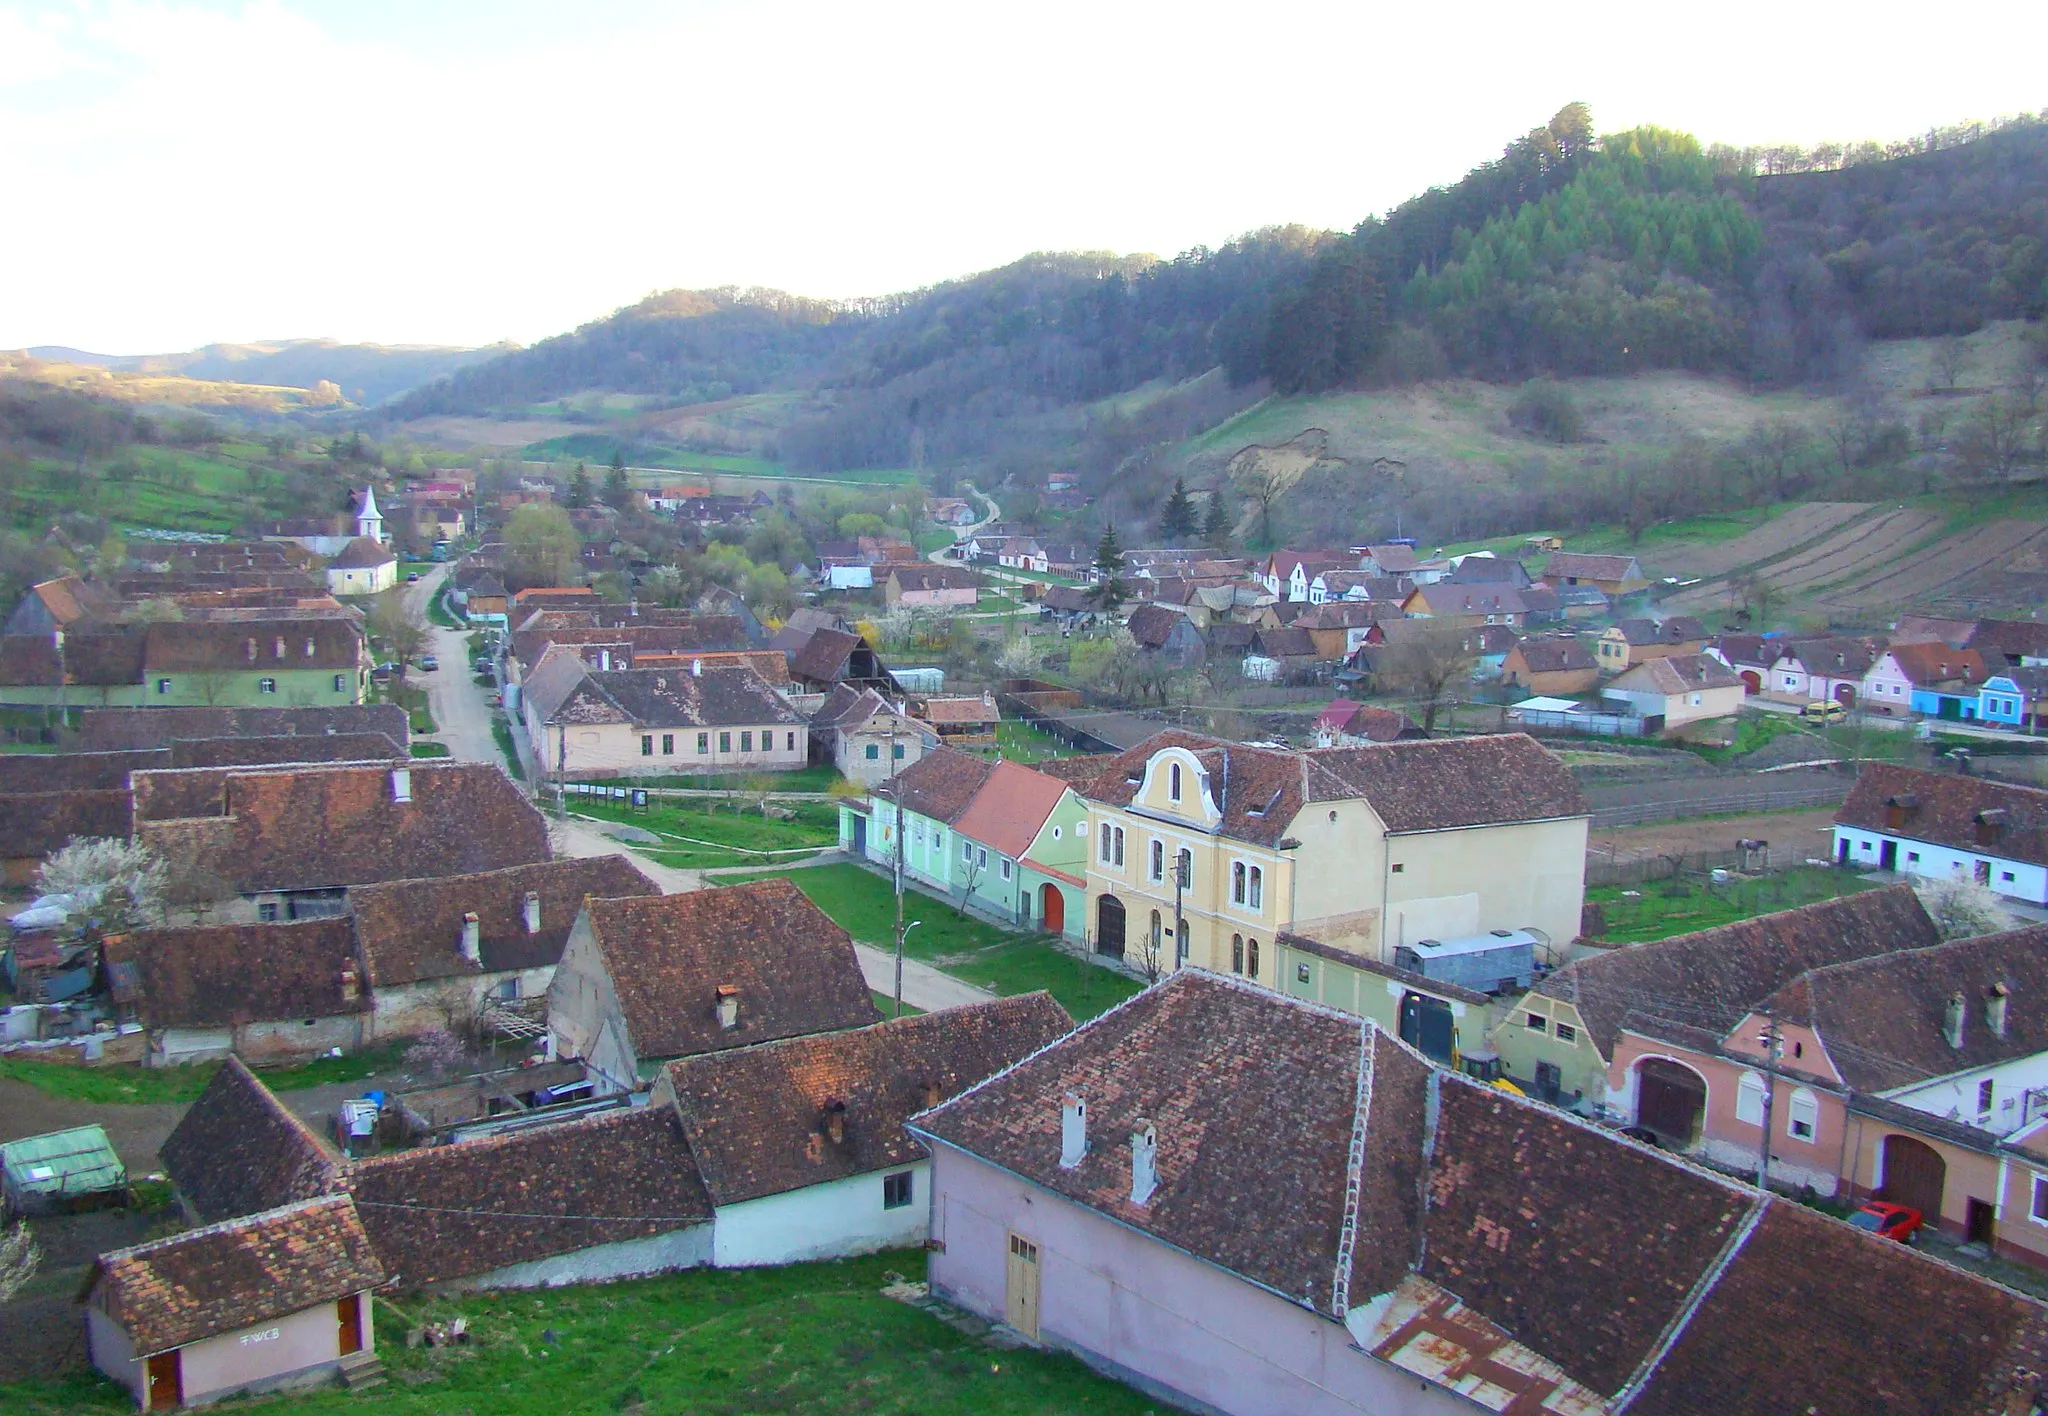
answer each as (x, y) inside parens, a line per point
(950, 511)
(801, 1143)
(36, 825)
(1359, 585)
(326, 536)
(1930, 679)
(58, 603)
(656, 721)
(866, 737)
(1420, 1232)
(587, 1200)
(1562, 1037)
(1562, 667)
(1669, 693)
(1819, 670)
(1896, 1076)
(1338, 628)
(265, 992)
(960, 718)
(936, 587)
(1348, 724)
(1613, 576)
(1282, 655)
(2010, 643)
(283, 661)
(821, 658)
(478, 591)
(238, 1150)
(265, 1302)
(1440, 1018)
(1166, 634)
(1362, 848)
(645, 980)
(440, 953)
(1637, 641)
(1946, 827)
(362, 567)
(2012, 697)
(271, 845)
(1485, 568)
(1465, 605)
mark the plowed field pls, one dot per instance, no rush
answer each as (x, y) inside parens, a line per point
(1916, 580)
(1779, 536)
(1864, 547)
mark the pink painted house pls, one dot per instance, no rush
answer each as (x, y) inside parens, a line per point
(1239, 1202)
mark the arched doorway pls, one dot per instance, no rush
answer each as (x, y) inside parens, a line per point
(1052, 909)
(1426, 1025)
(1109, 926)
(1845, 694)
(1670, 1100)
(1914, 1174)
(1752, 681)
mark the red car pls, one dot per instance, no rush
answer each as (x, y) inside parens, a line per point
(1888, 1221)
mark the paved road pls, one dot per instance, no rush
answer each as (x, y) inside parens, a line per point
(463, 721)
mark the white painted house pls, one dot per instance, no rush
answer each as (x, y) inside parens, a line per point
(1941, 827)
(801, 1142)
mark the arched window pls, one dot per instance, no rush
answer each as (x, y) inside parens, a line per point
(1749, 1100)
(1173, 782)
(1237, 953)
(1255, 897)
(1184, 868)
(1802, 1115)
(1237, 882)
(1157, 928)
(1104, 850)
(1119, 846)
(1159, 860)
(1251, 958)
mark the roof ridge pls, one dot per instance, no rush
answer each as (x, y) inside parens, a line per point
(1695, 1298)
(226, 1226)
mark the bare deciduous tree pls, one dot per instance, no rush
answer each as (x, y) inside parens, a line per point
(1425, 665)
(20, 1257)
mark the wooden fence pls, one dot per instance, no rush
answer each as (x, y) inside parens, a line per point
(1676, 807)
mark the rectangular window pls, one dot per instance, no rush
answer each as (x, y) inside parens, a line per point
(1102, 850)
(1395, 869)
(340, 683)
(897, 1189)
(2041, 1198)
(1802, 1116)
(1535, 1022)
(895, 751)
(2006, 876)
(1119, 846)
(725, 742)
(1565, 1032)
(1301, 973)
(267, 685)
(668, 744)
(1006, 870)
(267, 913)
(1986, 1092)
(164, 685)
(746, 742)
(981, 858)
(1912, 855)
(790, 745)
(647, 744)
(703, 742)
(874, 752)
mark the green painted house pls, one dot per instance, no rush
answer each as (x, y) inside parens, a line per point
(268, 663)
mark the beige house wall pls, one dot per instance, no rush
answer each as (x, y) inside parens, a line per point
(1580, 1066)
(615, 750)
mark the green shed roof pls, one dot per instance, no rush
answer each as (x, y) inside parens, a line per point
(80, 1161)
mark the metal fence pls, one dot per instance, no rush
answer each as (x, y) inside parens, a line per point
(1720, 803)
(1671, 867)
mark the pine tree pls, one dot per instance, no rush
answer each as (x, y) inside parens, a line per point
(1179, 517)
(579, 486)
(1110, 591)
(618, 490)
(1216, 528)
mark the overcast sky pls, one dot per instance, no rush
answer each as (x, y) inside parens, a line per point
(460, 171)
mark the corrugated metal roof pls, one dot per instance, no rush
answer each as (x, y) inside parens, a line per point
(75, 1162)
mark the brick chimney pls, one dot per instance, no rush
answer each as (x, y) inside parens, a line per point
(933, 1095)
(835, 1121)
(533, 911)
(351, 985)
(1073, 1130)
(472, 938)
(728, 1006)
(1144, 1161)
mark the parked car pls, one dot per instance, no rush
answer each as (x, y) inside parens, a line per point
(429, 662)
(1889, 1221)
(383, 671)
(412, 577)
(1824, 713)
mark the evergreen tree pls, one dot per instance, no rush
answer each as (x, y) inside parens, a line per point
(1179, 517)
(579, 486)
(618, 488)
(1110, 591)
(1216, 528)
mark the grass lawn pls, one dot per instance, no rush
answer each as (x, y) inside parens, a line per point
(887, 1003)
(430, 749)
(141, 1086)
(813, 826)
(810, 1338)
(1666, 907)
(501, 733)
(1752, 731)
(439, 613)
(818, 777)
(972, 951)
(934, 538)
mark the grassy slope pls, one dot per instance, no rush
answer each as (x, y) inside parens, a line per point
(812, 1338)
(136, 1086)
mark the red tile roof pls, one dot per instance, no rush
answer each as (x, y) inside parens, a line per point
(238, 1150)
(1011, 808)
(225, 975)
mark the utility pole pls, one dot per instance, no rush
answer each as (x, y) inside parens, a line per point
(1773, 1045)
(1180, 922)
(896, 797)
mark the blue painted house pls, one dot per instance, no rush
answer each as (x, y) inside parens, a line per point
(2013, 697)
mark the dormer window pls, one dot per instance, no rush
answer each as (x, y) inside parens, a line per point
(1173, 782)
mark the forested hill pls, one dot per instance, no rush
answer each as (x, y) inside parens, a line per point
(1567, 255)
(365, 374)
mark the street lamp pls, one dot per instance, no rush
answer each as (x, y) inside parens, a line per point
(902, 934)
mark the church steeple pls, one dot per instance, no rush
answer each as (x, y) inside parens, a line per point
(369, 521)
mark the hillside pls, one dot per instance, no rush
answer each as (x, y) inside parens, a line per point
(365, 374)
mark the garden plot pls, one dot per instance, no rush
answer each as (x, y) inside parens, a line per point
(1915, 580)
(1781, 535)
(1868, 547)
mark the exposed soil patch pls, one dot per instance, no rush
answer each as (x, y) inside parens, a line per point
(1923, 577)
(1779, 536)
(42, 1331)
(1794, 835)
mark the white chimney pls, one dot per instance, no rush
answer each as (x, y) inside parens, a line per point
(401, 784)
(533, 911)
(696, 668)
(1073, 1131)
(472, 939)
(728, 1007)
(1994, 1008)
(1144, 1161)
(1952, 1023)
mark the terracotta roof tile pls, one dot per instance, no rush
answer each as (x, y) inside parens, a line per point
(224, 975)
(757, 1118)
(1678, 673)
(449, 1212)
(1933, 665)
(1011, 808)
(235, 1274)
(106, 729)
(75, 771)
(411, 930)
(794, 969)
(1554, 656)
(237, 1150)
(940, 785)
(36, 824)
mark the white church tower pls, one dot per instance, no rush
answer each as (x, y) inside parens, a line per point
(369, 521)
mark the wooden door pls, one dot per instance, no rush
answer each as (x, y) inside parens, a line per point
(1052, 909)
(1670, 1100)
(350, 1313)
(1980, 1224)
(166, 1381)
(1914, 1175)
(1020, 1287)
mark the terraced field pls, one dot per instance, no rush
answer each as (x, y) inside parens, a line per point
(1858, 548)
(1779, 536)
(1925, 579)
